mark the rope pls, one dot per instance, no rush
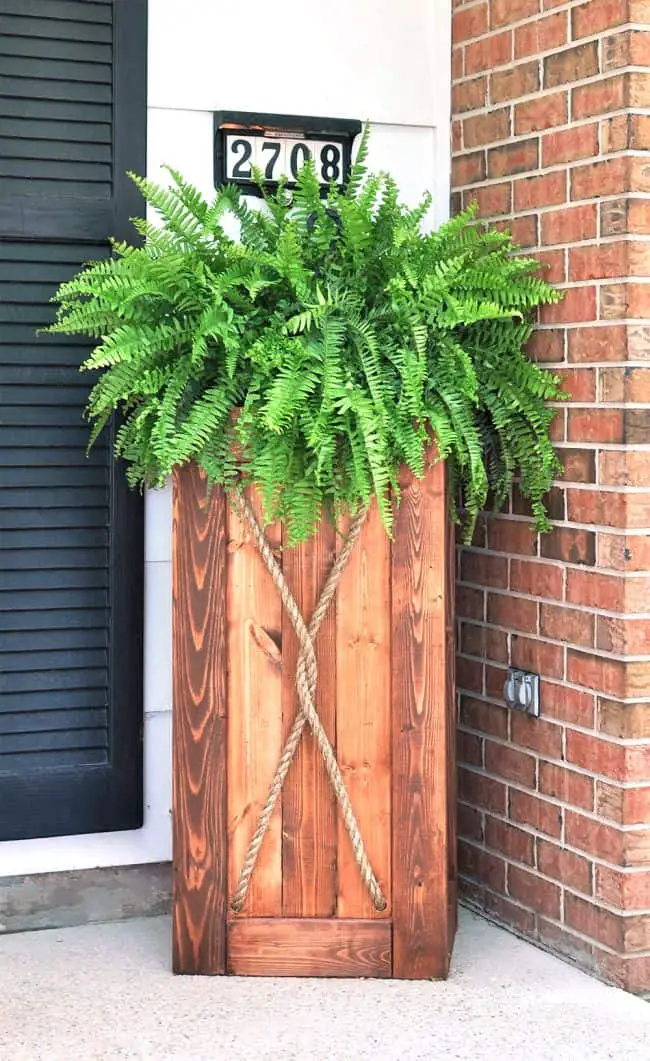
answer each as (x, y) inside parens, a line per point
(306, 679)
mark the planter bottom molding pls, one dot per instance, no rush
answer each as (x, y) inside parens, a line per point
(386, 698)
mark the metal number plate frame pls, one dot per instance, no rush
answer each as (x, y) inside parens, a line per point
(290, 132)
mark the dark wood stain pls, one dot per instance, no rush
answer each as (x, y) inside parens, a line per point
(199, 725)
(420, 730)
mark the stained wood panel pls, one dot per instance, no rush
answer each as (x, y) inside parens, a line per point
(386, 696)
(308, 804)
(363, 717)
(420, 730)
(199, 725)
(255, 711)
(309, 947)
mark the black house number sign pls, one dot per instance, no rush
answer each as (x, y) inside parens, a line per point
(279, 145)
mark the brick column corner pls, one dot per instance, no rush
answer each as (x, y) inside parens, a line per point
(551, 133)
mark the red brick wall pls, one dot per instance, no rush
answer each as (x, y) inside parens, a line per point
(551, 128)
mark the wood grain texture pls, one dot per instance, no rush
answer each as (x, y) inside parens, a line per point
(199, 725)
(309, 947)
(308, 803)
(255, 714)
(421, 942)
(452, 722)
(363, 713)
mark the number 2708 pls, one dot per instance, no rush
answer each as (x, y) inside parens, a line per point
(277, 158)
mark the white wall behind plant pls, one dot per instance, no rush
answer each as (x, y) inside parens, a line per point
(378, 60)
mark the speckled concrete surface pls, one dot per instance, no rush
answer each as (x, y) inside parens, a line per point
(106, 992)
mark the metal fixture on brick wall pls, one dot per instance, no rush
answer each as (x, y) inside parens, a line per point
(521, 691)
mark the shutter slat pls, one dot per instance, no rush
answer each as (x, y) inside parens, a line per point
(66, 10)
(38, 762)
(88, 74)
(52, 29)
(61, 48)
(73, 618)
(74, 133)
(20, 662)
(25, 642)
(51, 721)
(54, 89)
(35, 680)
(55, 151)
(25, 579)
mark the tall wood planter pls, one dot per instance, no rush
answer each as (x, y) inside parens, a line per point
(386, 697)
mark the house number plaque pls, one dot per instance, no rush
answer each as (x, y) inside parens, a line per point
(279, 145)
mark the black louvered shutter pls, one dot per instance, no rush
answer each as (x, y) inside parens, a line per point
(72, 121)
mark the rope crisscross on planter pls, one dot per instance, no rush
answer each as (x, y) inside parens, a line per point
(306, 681)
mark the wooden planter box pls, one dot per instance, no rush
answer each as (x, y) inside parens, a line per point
(386, 697)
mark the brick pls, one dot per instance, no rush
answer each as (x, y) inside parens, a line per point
(486, 128)
(594, 179)
(596, 754)
(569, 544)
(485, 642)
(596, 672)
(519, 80)
(488, 53)
(536, 734)
(549, 189)
(623, 635)
(456, 136)
(570, 145)
(598, 344)
(469, 22)
(457, 64)
(575, 706)
(639, 342)
(524, 232)
(512, 536)
(579, 304)
(537, 578)
(637, 848)
(538, 656)
(469, 674)
(568, 786)
(503, 12)
(482, 716)
(509, 763)
(596, 590)
(535, 115)
(481, 791)
(613, 217)
(593, 262)
(546, 345)
(595, 425)
(639, 216)
(554, 265)
(624, 552)
(469, 95)
(516, 613)
(627, 806)
(508, 913)
(579, 464)
(600, 97)
(580, 384)
(628, 48)
(470, 823)
(631, 384)
(521, 156)
(484, 569)
(469, 748)
(532, 891)
(596, 506)
(474, 861)
(571, 64)
(495, 677)
(625, 468)
(596, 16)
(468, 169)
(626, 300)
(541, 36)
(470, 603)
(492, 200)
(624, 719)
(564, 866)
(630, 973)
(637, 425)
(537, 813)
(567, 624)
(625, 889)
(510, 841)
(594, 837)
(591, 920)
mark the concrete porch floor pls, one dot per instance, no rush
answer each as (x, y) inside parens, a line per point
(105, 991)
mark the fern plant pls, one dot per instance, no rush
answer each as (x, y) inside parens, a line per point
(344, 337)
